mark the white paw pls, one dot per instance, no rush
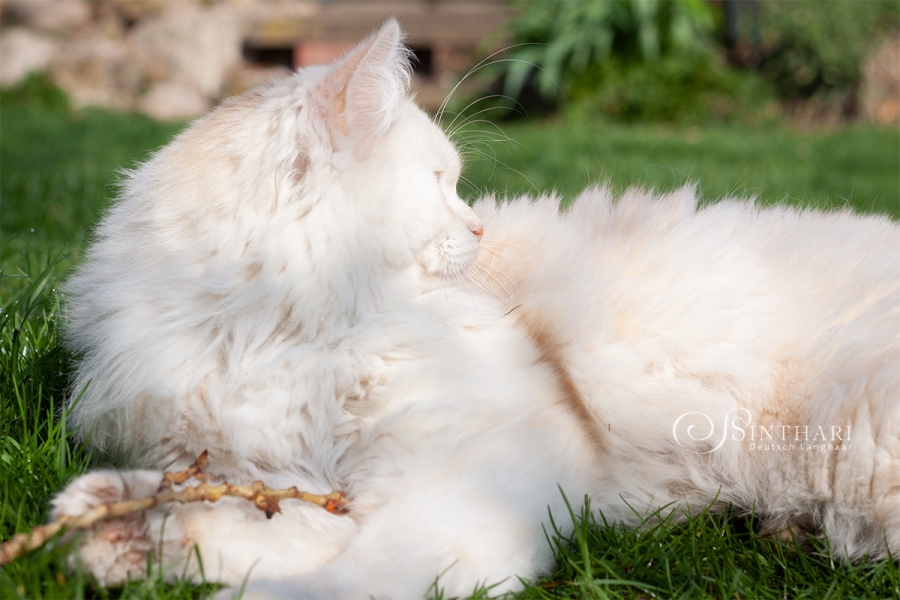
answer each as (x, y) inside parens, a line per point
(114, 550)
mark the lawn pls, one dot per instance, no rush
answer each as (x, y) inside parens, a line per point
(855, 167)
(58, 170)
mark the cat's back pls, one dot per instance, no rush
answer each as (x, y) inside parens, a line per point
(653, 294)
(667, 258)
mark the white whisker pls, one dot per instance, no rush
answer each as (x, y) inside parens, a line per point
(505, 244)
(485, 62)
(488, 272)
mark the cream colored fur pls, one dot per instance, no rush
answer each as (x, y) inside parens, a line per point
(776, 317)
(294, 285)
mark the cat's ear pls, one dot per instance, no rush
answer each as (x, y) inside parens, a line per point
(359, 97)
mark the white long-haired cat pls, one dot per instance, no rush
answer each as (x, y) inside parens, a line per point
(292, 284)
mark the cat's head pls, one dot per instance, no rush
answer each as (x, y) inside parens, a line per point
(340, 167)
(386, 147)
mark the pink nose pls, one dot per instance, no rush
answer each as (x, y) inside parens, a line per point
(478, 230)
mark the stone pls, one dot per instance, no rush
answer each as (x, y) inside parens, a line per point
(57, 16)
(96, 71)
(247, 76)
(188, 44)
(21, 52)
(880, 88)
(173, 101)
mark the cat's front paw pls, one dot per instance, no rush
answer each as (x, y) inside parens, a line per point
(116, 549)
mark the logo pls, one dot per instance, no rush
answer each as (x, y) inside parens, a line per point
(692, 429)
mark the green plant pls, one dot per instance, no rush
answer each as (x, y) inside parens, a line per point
(557, 41)
(685, 88)
(37, 456)
(818, 46)
(36, 92)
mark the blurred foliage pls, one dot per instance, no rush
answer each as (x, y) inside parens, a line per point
(36, 92)
(557, 41)
(663, 60)
(687, 88)
(819, 46)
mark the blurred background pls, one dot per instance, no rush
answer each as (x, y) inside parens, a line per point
(816, 62)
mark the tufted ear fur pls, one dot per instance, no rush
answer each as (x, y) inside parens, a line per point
(359, 97)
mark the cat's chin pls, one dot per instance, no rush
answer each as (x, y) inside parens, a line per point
(448, 263)
(426, 281)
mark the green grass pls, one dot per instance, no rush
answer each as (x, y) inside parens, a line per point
(58, 170)
(57, 173)
(712, 556)
(857, 167)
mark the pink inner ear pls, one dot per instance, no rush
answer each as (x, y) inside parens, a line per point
(360, 96)
(337, 112)
(334, 91)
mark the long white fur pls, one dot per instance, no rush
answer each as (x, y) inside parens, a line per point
(658, 308)
(292, 284)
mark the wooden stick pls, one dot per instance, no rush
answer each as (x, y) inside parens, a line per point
(197, 470)
(264, 498)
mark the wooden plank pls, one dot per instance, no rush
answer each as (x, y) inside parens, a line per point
(464, 24)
